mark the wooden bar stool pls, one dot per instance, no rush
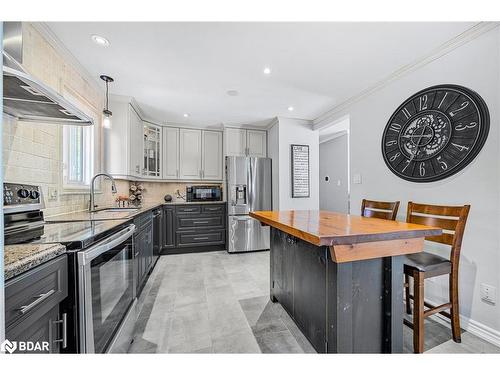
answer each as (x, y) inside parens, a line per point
(381, 210)
(425, 265)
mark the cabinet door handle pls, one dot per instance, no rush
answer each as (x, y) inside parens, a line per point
(200, 238)
(200, 222)
(64, 322)
(40, 298)
(177, 173)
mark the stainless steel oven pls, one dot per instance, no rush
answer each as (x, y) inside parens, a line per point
(106, 289)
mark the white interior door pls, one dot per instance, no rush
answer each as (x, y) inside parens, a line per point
(257, 143)
(334, 175)
(190, 154)
(170, 153)
(236, 141)
(212, 155)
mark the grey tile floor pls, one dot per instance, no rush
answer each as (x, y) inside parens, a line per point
(219, 303)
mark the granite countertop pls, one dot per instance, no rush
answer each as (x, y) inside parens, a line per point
(117, 215)
(21, 258)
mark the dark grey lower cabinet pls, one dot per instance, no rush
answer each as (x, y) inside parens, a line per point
(43, 335)
(168, 228)
(143, 249)
(352, 307)
(33, 320)
(299, 284)
(194, 227)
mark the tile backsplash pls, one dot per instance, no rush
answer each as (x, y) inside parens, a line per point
(154, 191)
(32, 155)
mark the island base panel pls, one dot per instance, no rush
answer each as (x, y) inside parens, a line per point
(353, 307)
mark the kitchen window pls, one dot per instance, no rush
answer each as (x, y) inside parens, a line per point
(80, 147)
(78, 160)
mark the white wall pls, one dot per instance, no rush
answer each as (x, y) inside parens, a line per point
(283, 134)
(273, 153)
(475, 65)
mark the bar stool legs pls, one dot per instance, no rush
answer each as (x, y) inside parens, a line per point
(418, 312)
(455, 312)
(407, 294)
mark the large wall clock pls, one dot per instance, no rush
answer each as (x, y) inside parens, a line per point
(435, 133)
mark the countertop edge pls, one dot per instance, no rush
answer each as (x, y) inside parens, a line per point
(31, 261)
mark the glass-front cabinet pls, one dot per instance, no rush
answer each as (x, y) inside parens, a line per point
(151, 150)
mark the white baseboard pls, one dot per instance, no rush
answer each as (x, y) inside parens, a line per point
(476, 328)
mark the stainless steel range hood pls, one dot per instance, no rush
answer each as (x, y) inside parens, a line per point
(25, 97)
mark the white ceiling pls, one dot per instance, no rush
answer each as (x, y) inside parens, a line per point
(176, 68)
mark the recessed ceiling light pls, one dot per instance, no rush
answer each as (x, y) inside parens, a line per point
(232, 92)
(100, 40)
(290, 108)
(267, 70)
(186, 115)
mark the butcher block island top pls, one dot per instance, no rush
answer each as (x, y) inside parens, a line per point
(350, 237)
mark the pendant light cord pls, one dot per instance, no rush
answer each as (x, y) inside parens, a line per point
(107, 96)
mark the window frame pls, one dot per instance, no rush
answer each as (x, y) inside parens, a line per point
(92, 158)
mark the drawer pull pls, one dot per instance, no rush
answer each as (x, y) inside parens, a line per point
(187, 209)
(64, 339)
(42, 297)
(200, 222)
(200, 238)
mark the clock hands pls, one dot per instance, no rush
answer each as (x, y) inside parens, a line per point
(419, 136)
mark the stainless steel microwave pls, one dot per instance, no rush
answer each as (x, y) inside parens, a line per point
(203, 193)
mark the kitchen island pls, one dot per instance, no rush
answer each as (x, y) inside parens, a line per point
(340, 277)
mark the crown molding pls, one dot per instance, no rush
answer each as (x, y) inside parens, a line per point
(59, 46)
(468, 35)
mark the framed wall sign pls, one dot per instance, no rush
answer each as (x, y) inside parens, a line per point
(300, 171)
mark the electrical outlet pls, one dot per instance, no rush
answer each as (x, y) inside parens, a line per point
(52, 194)
(489, 294)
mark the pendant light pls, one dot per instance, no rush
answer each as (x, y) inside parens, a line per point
(106, 113)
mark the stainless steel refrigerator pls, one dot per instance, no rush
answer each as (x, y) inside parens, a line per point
(248, 184)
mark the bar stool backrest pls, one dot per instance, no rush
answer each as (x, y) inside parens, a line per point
(380, 210)
(451, 219)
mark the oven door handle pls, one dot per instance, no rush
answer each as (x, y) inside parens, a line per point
(85, 257)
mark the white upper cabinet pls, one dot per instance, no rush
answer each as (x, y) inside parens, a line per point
(151, 150)
(245, 142)
(236, 141)
(190, 154)
(212, 155)
(257, 143)
(170, 153)
(123, 142)
(135, 143)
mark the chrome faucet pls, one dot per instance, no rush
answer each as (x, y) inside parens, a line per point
(92, 205)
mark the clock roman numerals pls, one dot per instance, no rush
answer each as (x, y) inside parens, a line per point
(395, 127)
(435, 133)
(406, 113)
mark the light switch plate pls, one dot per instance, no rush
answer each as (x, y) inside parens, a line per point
(356, 178)
(489, 294)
